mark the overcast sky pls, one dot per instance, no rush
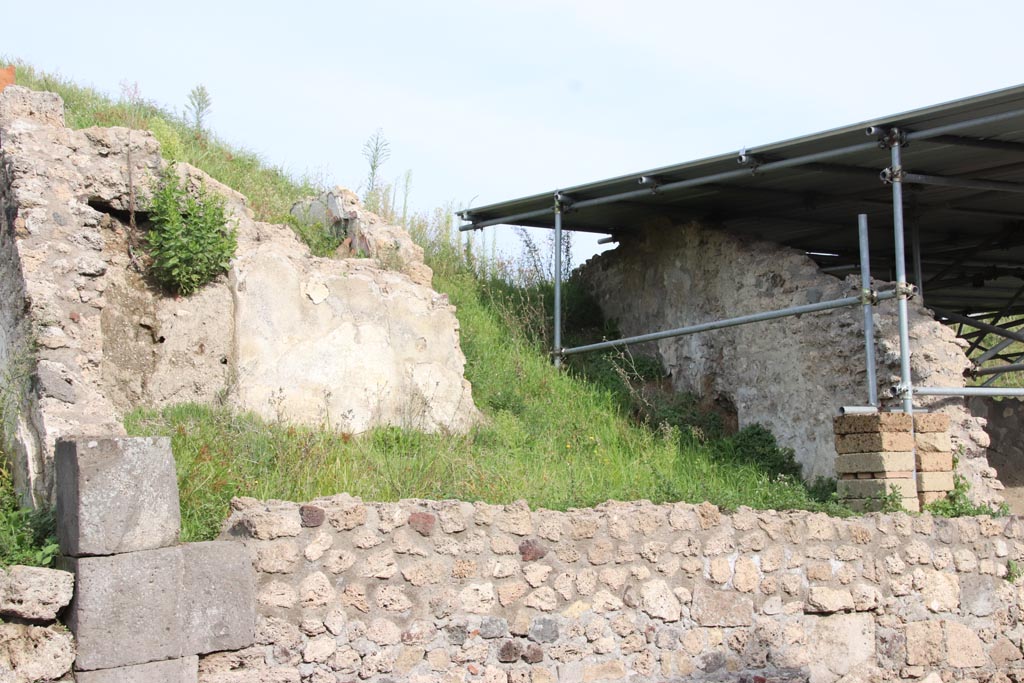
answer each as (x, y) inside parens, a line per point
(487, 101)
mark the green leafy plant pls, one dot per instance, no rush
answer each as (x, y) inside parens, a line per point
(190, 241)
(957, 503)
(26, 536)
(1013, 571)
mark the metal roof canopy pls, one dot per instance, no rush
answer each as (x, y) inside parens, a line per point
(962, 173)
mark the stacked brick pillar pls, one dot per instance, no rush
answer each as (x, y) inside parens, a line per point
(882, 453)
(876, 456)
(934, 456)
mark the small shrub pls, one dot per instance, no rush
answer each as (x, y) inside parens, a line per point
(190, 241)
(1013, 571)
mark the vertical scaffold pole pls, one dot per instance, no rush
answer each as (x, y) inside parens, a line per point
(869, 319)
(896, 175)
(557, 353)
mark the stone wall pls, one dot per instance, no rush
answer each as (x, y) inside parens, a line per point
(1004, 418)
(791, 375)
(348, 342)
(446, 591)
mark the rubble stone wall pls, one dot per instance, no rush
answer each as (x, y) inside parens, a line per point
(791, 375)
(449, 591)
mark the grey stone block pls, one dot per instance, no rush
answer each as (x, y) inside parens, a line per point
(116, 495)
(184, 670)
(161, 604)
(125, 609)
(218, 606)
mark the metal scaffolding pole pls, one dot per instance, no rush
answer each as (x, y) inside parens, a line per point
(869, 318)
(730, 322)
(558, 283)
(906, 387)
(997, 369)
(968, 391)
(915, 238)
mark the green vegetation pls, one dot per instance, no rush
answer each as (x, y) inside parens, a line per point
(957, 503)
(190, 241)
(26, 537)
(1013, 571)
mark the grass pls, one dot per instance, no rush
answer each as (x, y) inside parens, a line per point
(558, 439)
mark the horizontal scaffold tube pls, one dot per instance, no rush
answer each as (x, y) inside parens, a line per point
(967, 391)
(997, 369)
(728, 322)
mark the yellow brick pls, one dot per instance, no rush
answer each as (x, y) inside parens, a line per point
(934, 481)
(933, 442)
(875, 462)
(931, 422)
(927, 497)
(879, 422)
(934, 462)
(874, 442)
(868, 488)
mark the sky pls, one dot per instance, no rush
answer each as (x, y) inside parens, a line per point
(488, 101)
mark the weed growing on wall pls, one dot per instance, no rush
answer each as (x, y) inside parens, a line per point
(190, 241)
(958, 503)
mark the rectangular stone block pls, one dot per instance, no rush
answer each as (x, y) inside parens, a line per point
(167, 603)
(934, 462)
(893, 461)
(879, 422)
(933, 442)
(871, 488)
(184, 670)
(873, 442)
(116, 495)
(218, 611)
(931, 422)
(934, 481)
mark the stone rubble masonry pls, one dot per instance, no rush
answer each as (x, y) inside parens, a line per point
(116, 495)
(789, 375)
(33, 648)
(444, 591)
(144, 606)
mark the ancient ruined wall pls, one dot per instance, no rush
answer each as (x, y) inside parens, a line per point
(790, 375)
(1004, 418)
(449, 591)
(346, 342)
